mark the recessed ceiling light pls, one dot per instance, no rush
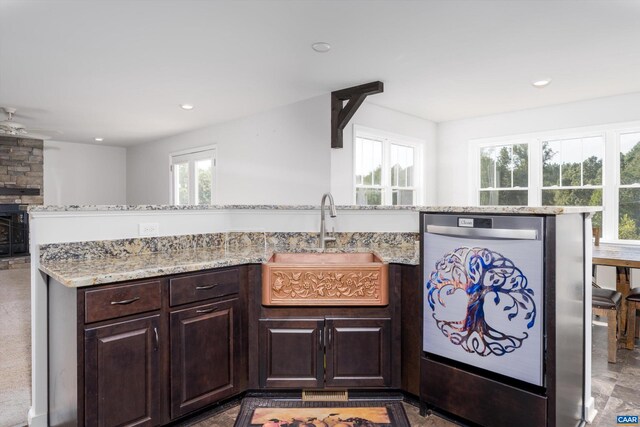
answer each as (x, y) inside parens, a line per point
(186, 106)
(98, 139)
(321, 47)
(541, 83)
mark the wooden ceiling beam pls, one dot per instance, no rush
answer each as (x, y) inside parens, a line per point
(341, 113)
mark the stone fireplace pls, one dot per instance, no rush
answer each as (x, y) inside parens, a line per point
(21, 185)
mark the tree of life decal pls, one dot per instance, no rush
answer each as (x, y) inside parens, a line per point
(499, 304)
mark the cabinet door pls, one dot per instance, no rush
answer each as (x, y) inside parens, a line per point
(291, 353)
(204, 355)
(122, 374)
(358, 353)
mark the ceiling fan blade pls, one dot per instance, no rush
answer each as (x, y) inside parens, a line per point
(24, 134)
(48, 131)
(35, 136)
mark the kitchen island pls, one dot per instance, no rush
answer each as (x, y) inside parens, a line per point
(186, 311)
(121, 256)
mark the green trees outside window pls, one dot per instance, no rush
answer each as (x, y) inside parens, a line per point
(504, 175)
(572, 173)
(629, 191)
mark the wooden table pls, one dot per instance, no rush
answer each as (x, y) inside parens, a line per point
(623, 257)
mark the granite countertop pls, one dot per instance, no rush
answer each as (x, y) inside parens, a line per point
(81, 273)
(531, 210)
(115, 208)
(539, 210)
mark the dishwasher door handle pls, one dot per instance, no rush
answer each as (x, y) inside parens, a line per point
(487, 233)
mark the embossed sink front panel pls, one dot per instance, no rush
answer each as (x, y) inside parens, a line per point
(325, 279)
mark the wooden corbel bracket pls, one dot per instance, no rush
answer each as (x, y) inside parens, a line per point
(341, 113)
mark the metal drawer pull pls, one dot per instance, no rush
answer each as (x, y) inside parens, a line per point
(204, 288)
(155, 331)
(206, 310)
(125, 301)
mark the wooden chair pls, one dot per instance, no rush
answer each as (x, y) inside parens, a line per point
(633, 320)
(606, 303)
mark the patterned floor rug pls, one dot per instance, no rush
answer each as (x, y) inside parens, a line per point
(260, 412)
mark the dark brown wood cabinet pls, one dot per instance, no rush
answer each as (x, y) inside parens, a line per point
(122, 373)
(355, 351)
(205, 346)
(146, 352)
(291, 353)
(358, 352)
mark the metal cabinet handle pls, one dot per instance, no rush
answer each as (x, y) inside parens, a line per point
(157, 340)
(320, 335)
(125, 302)
(488, 233)
(329, 344)
(204, 288)
(207, 310)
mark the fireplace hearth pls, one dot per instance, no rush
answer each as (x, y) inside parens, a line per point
(14, 231)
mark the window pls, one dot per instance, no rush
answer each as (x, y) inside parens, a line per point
(572, 172)
(386, 168)
(592, 166)
(192, 177)
(504, 175)
(629, 187)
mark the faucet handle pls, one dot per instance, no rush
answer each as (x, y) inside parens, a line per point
(332, 238)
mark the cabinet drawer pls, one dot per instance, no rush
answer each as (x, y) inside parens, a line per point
(103, 304)
(198, 287)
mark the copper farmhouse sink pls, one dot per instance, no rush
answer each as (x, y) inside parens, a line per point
(304, 279)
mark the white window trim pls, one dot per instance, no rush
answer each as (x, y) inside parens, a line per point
(611, 164)
(474, 155)
(418, 155)
(214, 177)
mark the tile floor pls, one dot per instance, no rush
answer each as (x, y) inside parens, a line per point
(227, 419)
(15, 347)
(616, 387)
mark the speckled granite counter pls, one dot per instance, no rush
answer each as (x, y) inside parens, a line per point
(520, 210)
(116, 208)
(119, 260)
(539, 210)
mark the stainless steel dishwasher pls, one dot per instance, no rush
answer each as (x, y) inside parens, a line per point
(504, 316)
(484, 293)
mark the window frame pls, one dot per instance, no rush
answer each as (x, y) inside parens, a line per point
(190, 156)
(502, 143)
(610, 175)
(388, 138)
(582, 136)
(618, 179)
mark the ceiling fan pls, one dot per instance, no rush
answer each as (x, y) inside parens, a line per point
(8, 127)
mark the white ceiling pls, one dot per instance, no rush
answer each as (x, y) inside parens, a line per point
(118, 69)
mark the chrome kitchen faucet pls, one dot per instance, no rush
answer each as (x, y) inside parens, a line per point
(332, 213)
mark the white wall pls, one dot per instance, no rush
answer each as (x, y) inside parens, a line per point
(281, 156)
(381, 118)
(84, 174)
(453, 136)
